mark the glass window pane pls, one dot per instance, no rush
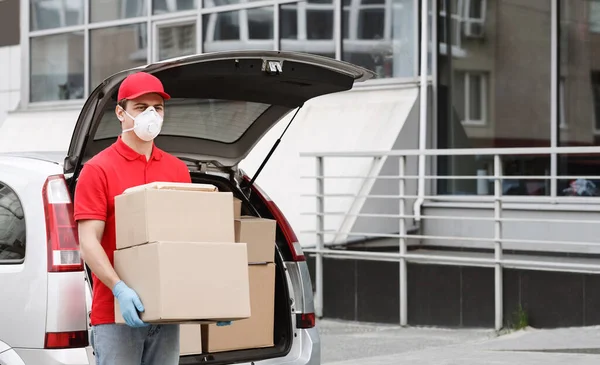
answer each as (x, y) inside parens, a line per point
(475, 97)
(12, 225)
(128, 48)
(104, 10)
(579, 70)
(384, 43)
(166, 6)
(307, 27)
(176, 41)
(57, 67)
(211, 119)
(505, 97)
(237, 30)
(48, 14)
(215, 3)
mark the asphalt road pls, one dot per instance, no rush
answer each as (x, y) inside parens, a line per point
(347, 343)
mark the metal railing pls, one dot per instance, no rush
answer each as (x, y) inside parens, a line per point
(403, 257)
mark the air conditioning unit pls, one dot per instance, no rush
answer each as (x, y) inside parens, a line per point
(474, 28)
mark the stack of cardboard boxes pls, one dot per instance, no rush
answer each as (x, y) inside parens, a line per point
(256, 331)
(194, 260)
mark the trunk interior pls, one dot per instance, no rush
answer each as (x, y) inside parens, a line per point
(283, 333)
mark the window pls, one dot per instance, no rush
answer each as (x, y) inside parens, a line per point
(495, 92)
(240, 29)
(594, 15)
(48, 14)
(471, 89)
(12, 226)
(579, 94)
(127, 49)
(171, 6)
(57, 67)
(104, 10)
(379, 35)
(474, 20)
(176, 41)
(217, 120)
(307, 26)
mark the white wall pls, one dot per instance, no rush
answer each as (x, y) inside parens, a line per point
(358, 120)
(10, 79)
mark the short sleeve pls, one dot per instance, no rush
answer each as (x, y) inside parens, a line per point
(91, 193)
(185, 173)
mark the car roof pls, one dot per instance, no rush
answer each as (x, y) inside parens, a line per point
(56, 157)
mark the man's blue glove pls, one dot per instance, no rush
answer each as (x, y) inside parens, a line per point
(130, 304)
(222, 324)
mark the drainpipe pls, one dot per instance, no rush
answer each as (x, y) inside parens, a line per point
(422, 112)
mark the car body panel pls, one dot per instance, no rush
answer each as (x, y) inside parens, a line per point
(78, 356)
(67, 307)
(23, 317)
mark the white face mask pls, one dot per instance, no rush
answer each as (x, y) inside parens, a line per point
(146, 125)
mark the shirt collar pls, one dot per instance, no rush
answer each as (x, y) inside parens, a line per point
(129, 154)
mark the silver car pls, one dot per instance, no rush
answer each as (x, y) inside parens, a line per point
(222, 105)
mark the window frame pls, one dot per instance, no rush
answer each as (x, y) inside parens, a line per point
(4, 185)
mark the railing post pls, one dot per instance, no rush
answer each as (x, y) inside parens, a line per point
(498, 241)
(320, 237)
(402, 233)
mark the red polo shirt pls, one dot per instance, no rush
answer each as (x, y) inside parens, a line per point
(102, 178)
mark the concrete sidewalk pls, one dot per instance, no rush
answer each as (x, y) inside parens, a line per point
(345, 343)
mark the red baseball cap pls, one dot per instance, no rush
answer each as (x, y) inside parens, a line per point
(140, 83)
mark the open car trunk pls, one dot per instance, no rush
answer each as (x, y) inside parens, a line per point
(282, 331)
(222, 105)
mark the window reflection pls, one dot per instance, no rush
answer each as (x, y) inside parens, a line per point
(307, 27)
(171, 6)
(241, 29)
(494, 91)
(379, 35)
(57, 67)
(48, 14)
(128, 48)
(12, 225)
(579, 97)
(104, 10)
(176, 41)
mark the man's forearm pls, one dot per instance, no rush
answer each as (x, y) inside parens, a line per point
(95, 257)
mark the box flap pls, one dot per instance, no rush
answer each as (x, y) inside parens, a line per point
(159, 185)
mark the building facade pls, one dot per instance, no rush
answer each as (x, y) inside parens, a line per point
(499, 74)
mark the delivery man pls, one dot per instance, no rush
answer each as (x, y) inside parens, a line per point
(131, 161)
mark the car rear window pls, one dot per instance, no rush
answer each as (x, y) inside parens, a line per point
(218, 120)
(12, 227)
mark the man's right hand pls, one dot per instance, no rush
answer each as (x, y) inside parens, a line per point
(130, 304)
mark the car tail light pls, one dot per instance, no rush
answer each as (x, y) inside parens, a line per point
(282, 222)
(63, 340)
(61, 231)
(305, 320)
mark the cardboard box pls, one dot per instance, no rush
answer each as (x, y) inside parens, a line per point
(237, 208)
(190, 339)
(254, 332)
(259, 236)
(173, 212)
(183, 282)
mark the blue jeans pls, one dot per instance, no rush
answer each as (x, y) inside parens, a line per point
(124, 345)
